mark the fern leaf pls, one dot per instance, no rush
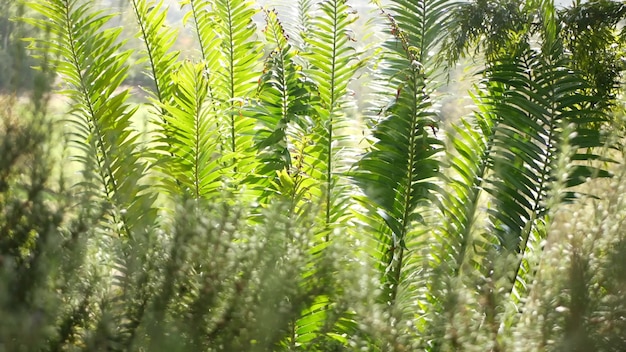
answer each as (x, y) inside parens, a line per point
(208, 38)
(93, 65)
(158, 39)
(399, 174)
(541, 99)
(226, 32)
(332, 64)
(284, 98)
(193, 166)
(467, 168)
(240, 56)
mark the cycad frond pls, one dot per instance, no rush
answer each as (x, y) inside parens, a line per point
(319, 161)
(304, 25)
(158, 39)
(284, 98)
(93, 65)
(209, 40)
(232, 54)
(466, 169)
(331, 65)
(420, 26)
(90, 59)
(237, 79)
(190, 135)
(400, 172)
(541, 99)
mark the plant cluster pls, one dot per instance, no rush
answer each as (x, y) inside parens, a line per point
(247, 214)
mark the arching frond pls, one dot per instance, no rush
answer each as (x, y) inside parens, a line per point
(284, 99)
(240, 57)
(466, 169)
(399, 173)
(539, 101)
(331, 60)
(319, 155)
(92, 64)
(158, 38)
(204, 27)
(232, 54)
(541, 97)
(190, 135)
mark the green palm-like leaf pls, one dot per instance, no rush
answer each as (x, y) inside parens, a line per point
(420, 26)
(331, 65)
(226, 32)
(190, 135)
(467, 157)
(93, 65)
(538, 114)
(208, 38)
(158, 39)
(400, 173)
(319, 158)
(454, 253)
(541, 99)
(284, 98)
(90, 59)
(236, 81)
(304, 25)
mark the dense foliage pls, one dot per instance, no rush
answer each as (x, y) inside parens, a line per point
(249, 205)
(16, 66)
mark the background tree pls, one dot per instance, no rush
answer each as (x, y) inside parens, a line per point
(16, 73)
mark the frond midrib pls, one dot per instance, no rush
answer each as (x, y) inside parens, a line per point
(149, 49)
(329, 160)
(231, 72)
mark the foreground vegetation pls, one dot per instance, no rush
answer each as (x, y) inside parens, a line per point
(257, 211)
